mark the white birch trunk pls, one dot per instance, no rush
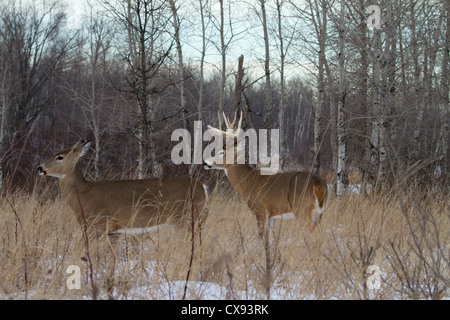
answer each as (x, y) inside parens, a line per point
(341, 176)
(322, 34)
(376, 102)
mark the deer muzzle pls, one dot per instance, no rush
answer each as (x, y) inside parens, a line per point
(41, 171)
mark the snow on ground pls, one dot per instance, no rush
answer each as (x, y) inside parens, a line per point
(174, 290)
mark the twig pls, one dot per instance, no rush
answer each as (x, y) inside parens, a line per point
(24, 245)
(191, 260)
(86, 246)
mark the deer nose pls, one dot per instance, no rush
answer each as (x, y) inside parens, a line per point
(206, 166)
(41, 171)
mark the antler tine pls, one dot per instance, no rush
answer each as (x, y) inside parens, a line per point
(234, 120)
(218, 118)
(227, 121)
(240, 122)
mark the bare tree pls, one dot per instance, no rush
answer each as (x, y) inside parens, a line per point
(144, 22)
(202, 5)
(181, 72)
(376, 132)
(100, 37)
(223, 49)
(341, 174)
(33, 50)
(90, 92)
(239, 90)
(318, 16)
(317, 12)
(321, 31)
(442, 143)
(224, 23)
(284, 46)
(5, 67)
(268, 87)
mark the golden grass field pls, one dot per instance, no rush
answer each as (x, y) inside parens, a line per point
(406, 235)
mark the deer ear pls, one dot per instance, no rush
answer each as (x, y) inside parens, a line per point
(215, 132)
(85, 149)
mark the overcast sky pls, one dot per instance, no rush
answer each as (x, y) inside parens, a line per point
(247, 38)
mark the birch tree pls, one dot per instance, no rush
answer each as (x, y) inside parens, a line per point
(284, 45)
(363, 90)
(382, 88)
(341, 175)
(318, 16)
(376, 104)
(316, 12)
(321, 31)
(144, 21)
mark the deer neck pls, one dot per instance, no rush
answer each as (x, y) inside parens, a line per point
(242, 177)
(73, 183)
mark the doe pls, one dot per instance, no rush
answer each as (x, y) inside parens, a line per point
(121, 205)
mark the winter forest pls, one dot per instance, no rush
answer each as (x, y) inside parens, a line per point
(346, 97)
(358, 89)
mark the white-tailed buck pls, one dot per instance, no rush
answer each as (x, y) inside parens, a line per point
(124, 204)
(299, 193)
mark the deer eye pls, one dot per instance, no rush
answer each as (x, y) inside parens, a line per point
(59, 158)
(221, 153)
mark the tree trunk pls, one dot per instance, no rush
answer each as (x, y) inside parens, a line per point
(238, 90)
(92, 103)
(202, 62)
(282, 86)
(376, 102)
(442, 144)
(267, 90)
(4, 109)
(341, 175)
(363, 93)
(143, 23)
(181, 75)
(5, 104)
(223, 50)
(322, 34)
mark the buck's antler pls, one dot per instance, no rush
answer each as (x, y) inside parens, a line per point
(230, 127)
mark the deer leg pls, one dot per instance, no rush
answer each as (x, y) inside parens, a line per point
(309, 218)
(261, 219)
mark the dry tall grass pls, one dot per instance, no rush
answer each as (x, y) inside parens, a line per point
(408, 239)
